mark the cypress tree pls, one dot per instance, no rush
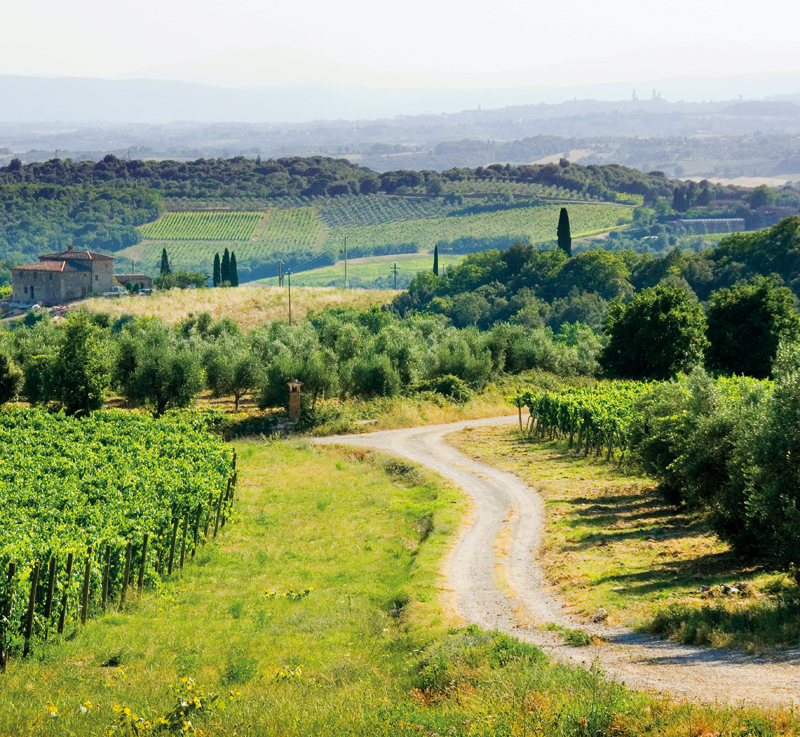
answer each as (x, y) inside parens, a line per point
(225, 267)
(234, 271)
(563, 233)
(217, 274)
(165, 263)
(436, 260)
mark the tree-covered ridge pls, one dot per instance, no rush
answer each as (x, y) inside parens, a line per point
(42, 218)
(315, 176)
(535, 287)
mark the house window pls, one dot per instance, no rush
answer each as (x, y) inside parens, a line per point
(26, 290)
(51, 277)
(96, 277)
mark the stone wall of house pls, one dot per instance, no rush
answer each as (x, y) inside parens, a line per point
(103, 276)
(75, 285)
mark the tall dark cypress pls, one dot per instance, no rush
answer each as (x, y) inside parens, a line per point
(234, 271)
(217, 274)
(436, 260)
(165, 263)
(563, 233)
(225, 267)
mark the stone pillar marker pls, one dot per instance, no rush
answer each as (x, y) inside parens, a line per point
(294, 399)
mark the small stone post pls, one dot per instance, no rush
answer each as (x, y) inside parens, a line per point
(294, 399)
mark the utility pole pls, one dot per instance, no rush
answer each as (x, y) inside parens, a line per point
(346, 285)
(280, 273)
(394, 269)
(289, 277)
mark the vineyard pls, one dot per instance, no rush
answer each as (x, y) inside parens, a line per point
(91, 505)
(275, 231)
(356, 212)
(601, 417)
(203, 226)
(373, 224)
(536, 224)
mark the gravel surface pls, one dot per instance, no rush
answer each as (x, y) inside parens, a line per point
(494, 580)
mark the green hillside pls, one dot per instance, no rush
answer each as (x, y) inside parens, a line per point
(302, 237)
(533, 224)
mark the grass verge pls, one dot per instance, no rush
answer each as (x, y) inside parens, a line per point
(316, 612)
(611, 543)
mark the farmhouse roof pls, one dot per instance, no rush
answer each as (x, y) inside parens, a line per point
(71, 255)
(60, 266)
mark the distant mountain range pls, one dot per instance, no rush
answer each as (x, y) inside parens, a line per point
(159, 101)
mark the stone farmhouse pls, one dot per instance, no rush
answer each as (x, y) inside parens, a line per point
(61, 277)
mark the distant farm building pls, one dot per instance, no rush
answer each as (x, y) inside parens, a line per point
(712, 225)
(61, 277)
(144, 281)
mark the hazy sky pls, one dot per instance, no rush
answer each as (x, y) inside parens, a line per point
(109, 37)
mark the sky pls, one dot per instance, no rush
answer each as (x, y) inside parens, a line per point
(105, 38)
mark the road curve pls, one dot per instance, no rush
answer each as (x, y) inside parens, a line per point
(496, 582)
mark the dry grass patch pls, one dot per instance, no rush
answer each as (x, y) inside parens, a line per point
(248, 306)
(611, 542)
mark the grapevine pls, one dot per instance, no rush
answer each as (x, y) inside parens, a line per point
(601, 417)
(99, 484)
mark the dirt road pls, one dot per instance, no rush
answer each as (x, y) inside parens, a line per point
(495, 581)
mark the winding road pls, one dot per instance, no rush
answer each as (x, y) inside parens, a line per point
(494, 580)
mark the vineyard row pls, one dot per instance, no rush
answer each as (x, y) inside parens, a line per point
(99, 575)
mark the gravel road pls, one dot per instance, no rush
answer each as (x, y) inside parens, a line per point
(494, 580)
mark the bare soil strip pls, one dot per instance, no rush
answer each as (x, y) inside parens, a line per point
(496, 582)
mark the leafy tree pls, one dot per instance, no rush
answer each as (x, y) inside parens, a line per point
(312, 368)
(81, 370)
(374, 376)
(180, 279)
(34, 349)
(745, 325)
(232, 369)
(225, 268)
(234, 273)
(165, 269)
(155, 368)
(436, 260)
(773, 504)
(761, 196)
(217, 277)
(563, 232)
(10, 378)
(658, 334)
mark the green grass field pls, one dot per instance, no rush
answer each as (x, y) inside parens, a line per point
(192, 238)
(319, 610)
(374, 272)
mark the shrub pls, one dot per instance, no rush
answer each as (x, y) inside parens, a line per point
(448, 386)
(374, 376)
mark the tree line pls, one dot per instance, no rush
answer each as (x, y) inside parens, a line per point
(339, 352)
(315, 176)
(45, 218)
(537, 286)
